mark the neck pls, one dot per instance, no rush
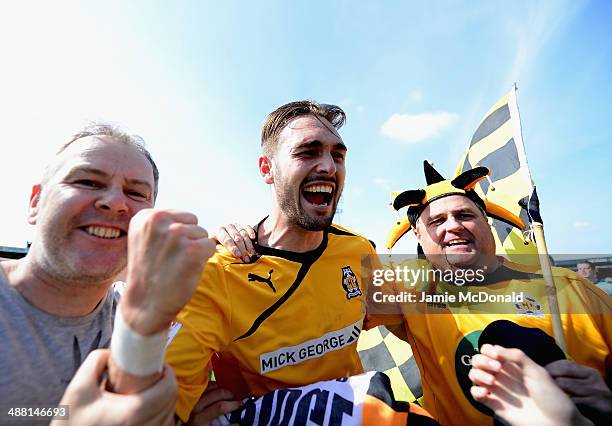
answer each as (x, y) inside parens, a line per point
(51, 295)
(277, 232)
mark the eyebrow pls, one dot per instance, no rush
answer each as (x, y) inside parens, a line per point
(318, 144)
(458, 211)
(92, 170)
(465, 210)
(432, 217)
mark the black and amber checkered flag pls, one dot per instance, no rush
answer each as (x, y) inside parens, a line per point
(498, 145)
(381, 350)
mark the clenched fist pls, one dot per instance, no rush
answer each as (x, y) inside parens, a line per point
(167, 251)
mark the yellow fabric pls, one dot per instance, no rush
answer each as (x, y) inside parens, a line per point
(507, 191)
(443, 338)
(440, 188)
(494, 141)
(397, 231)
(226, 305)
(446, 187)
(501, 102)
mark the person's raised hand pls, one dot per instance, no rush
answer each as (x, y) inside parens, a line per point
(167, 251)
(237, 239)
(583, 384)
(214, 402)
(520, 391)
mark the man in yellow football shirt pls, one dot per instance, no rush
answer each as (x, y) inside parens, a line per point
(446, 320)
(291, 314)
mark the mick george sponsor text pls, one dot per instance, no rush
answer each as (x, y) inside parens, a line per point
(310, 349)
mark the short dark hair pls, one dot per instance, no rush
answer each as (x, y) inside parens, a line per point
(414, 212)
(116, 132)
(277, 120)
(588, 262)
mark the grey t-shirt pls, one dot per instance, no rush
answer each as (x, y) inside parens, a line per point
(39, 352)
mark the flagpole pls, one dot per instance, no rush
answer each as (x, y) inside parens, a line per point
(537, 226)
(551, 290)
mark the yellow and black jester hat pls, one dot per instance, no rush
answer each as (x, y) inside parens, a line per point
(438, 187)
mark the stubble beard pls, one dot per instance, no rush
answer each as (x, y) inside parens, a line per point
(289, 203)
(60, 261)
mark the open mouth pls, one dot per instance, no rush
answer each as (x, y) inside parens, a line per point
(458, 242)
(319, 195)
(105, 232)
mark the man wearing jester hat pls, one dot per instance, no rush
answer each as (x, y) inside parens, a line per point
(449, 220)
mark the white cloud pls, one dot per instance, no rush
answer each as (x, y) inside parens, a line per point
(417, 127)
(582, 225)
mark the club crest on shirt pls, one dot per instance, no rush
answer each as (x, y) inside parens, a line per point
(529, 307)
(350, 283)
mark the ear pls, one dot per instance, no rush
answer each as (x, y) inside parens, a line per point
(265, 169)
(34, 202)
(417, 233)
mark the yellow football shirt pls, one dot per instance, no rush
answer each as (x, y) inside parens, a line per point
(285, 320)
(444, 336)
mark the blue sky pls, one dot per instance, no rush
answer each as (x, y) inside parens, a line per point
(196, 80)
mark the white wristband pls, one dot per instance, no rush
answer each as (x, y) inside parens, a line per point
(137, 354)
